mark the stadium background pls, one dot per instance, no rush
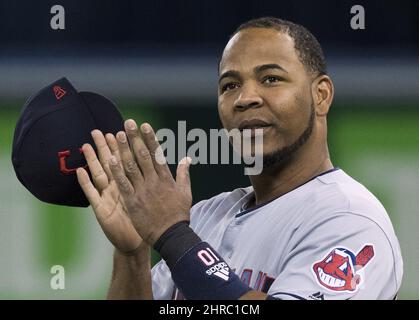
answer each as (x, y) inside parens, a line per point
(157, 61)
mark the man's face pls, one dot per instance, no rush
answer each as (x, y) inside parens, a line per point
(263, 81)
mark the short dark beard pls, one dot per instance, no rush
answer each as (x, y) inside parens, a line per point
(281, 157)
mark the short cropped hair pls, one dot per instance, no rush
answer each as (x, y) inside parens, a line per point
(309, 50)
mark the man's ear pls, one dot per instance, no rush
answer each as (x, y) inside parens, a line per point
(322, 92)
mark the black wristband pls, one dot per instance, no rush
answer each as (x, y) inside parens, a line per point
(175, 242)
(197, 269)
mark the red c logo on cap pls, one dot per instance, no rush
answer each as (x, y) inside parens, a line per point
(63, 167)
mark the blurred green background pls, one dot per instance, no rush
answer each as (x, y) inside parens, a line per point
(376, 143)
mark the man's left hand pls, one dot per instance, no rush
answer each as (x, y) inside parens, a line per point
(153, 199)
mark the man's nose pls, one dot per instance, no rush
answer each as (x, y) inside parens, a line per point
(248, 98)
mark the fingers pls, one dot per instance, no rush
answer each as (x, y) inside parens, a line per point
(140, 150)
(182, 174)
(124, 185)
(130, 166)
(88, 188)
(152, 143)
(102, 149)
(113, 146)
(100, 179)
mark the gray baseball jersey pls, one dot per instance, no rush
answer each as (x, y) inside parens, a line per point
(329, 238)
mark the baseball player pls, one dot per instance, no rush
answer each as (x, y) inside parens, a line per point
(304, 230)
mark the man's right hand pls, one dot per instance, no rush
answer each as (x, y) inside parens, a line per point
(104, 196)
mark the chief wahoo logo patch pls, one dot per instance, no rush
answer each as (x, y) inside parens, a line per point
(338, 271)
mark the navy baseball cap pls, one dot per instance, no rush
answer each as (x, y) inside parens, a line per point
(51, 129)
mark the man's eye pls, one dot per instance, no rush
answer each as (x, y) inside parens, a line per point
(271, 79)
(229, 86)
